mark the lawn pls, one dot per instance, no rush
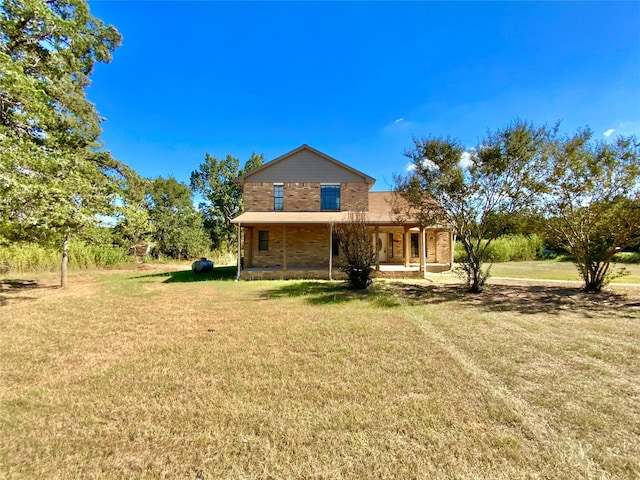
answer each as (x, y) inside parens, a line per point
(556, 270)
(172, 375)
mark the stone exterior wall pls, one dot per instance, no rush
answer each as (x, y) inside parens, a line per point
(303, 197)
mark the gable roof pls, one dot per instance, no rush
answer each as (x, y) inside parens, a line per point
(261, 173)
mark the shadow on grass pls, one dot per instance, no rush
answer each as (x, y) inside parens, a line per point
(523, 299)
(527, 299)
(325, 293)
(185, 276)
(12, 290)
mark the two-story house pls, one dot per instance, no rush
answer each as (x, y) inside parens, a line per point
(291, 207)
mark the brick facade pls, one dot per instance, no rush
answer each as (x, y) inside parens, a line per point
(306, 246)
(303, 197)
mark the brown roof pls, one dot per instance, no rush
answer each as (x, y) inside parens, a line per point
(385, 208)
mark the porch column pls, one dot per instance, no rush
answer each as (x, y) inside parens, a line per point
(377, 239)
(452, 244)
(330, 251)
(248, 247)
(239, 233)
(407, 247)
(423, 250)
(284, 248)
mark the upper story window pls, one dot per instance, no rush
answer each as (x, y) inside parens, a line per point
(329, 197)
(278, 196)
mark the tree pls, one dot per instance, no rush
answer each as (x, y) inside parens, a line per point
(592, 207)
(355, 241)
(133, 222)
(53, 178)
(177, 226)
(222, 196)
(502, 178)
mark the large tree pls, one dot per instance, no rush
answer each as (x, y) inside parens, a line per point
(53, 177)
(222, 197)
(593, 203)
(500, 178)
(177, 227)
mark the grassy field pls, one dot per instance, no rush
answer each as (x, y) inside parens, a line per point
(171, 375)
(555, 270)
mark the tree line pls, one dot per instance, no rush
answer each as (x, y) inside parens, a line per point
(57, 180)
(582, 194)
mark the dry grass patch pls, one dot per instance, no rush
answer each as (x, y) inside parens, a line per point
(134, 375)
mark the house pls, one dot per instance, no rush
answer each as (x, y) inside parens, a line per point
(291, 207)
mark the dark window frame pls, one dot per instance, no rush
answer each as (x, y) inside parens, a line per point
(263, 239)
(415, 245)
(330, 197)
(278, 197)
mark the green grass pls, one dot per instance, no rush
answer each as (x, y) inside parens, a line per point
(172, 375)
(555, 270)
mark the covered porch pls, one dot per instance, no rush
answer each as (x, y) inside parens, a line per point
(306, 247)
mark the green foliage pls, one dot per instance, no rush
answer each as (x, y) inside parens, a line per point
(214, 180)
(53, 178)
(177, 226)
(627, 257)
(593, 202)
(31, 257)
(502, 179)
(508, 248)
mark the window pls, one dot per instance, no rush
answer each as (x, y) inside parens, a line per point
(329, 197)
(414, 245)
(278, 196)
(263, 240)
(335, 247)
(390, 245)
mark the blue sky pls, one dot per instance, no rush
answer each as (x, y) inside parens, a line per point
(356, 80)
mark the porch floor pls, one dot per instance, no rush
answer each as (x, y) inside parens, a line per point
(387, 270)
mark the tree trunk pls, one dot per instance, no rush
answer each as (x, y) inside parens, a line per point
(65, 261)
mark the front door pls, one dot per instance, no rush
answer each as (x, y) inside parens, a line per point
(381, 246)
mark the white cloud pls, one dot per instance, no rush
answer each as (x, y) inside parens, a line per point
(398, 120)
(410, 167)
(609, 132)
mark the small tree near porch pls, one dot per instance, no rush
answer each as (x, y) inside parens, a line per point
(502, 177)
(354, 240)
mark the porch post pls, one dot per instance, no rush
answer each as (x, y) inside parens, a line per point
(407, 247)
(377, 236)
(330, 251)
(239, 233)
(452, 244)
(423, 250)
(248, 247)
(284, 248)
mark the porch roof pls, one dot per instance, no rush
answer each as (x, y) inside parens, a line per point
(372, 218)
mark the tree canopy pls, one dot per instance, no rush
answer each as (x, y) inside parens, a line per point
(502, 176)
(592, 205)
(222, 197)
(53, 176)
(176, 225)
